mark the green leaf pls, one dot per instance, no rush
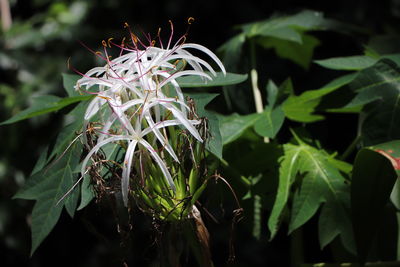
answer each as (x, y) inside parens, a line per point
(87, 193)
(233, 126)
(355, 62)
(214, 144)
(69, 133)
(232, 50)
(379, 87)
(374, 176)
(219, 80)
(48, 187)
(272, 94)
(347, 63)
(45, 104)
(69, 81)
(287, 173)
(299, 52)
(271, 120)
(301, 108)
(318, 182)
(279, 26)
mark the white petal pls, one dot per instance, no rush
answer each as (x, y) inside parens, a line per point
(126, 171)
(97, 147)
(208, 52)
(94, 107)
(184, 121)
(160, 163)
(164, 142)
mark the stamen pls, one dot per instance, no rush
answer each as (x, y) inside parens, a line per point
(68, 65)
(104, 97)
(108, 41)
(190, 20)
(104, 43)
(172, 33)
(134, 38)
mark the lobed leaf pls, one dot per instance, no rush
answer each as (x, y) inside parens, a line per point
(319, 181)
(48, 187)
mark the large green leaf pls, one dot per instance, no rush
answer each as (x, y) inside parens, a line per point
(299, 52)
(375, 172)
(219, 80)
(318, 182)
(48, 187)
(347, 63)
(379, 84)
(69, 82)
(355, 62)
(283, 27)
(45, 104)
(233, 126)
(303, 107)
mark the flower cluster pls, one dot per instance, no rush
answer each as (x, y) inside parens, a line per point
(138, 97)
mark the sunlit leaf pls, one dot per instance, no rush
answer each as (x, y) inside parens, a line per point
(303, 107)
(318, 182)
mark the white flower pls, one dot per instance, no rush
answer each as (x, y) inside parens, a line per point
(132, 101)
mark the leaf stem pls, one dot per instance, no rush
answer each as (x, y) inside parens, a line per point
(350, 148)
(254, 82)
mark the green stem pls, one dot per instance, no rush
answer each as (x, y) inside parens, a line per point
(235, 173)
(350, 148)
(296, 248)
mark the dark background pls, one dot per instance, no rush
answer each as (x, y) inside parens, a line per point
(31, 62)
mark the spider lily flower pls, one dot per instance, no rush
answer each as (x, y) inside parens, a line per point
(132, 102)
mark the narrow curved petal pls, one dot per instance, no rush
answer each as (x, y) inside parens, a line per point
(126, 171)
(208, 52)
(97, 147)
(160, 163)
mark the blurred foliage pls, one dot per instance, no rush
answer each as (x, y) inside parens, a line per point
(44, 37)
